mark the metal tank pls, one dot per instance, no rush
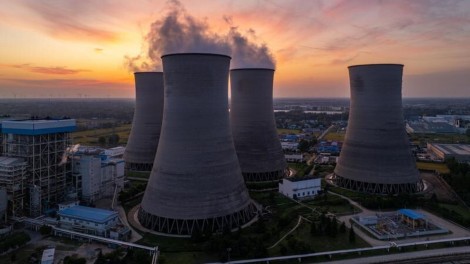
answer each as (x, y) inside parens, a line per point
(253, 127)
(147, 122)
(376, 155)
(196, 183)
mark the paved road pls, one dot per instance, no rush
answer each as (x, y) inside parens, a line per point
(394, 258)
(122, 215)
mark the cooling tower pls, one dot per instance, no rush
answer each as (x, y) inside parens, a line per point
(147, 122)
(253, 127)
(376, 156)
(196, 183)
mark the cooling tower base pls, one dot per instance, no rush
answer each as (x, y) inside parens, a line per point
(130, 166)
(377, 188)
(265, 176)
(188, 226)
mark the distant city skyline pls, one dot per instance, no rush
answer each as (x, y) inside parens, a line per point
(77, 48)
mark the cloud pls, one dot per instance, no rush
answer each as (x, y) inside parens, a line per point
(48, 70)
(70, 20)
(64, 88)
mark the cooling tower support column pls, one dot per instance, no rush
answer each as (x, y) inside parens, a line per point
(376, 155)
(147, 122)
(196, 182)
(254, 129)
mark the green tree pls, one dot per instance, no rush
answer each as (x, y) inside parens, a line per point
(102, 140)
(342, 228)
(113, 139)
(303, 146)
(352, 235)
(313, 229)
(45, 230)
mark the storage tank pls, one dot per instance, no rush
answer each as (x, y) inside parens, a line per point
(253, 126)
(196, 183)
(147, 122)
(376, 155)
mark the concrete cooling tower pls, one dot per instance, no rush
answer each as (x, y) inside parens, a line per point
(376, 155)
(253, 127)
(147, 122)
(196, 183)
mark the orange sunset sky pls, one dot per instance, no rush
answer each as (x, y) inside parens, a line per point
(76, 48)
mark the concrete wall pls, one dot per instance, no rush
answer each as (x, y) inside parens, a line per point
(252, 121)
(196, 173)
(146, 124)
(376, 147)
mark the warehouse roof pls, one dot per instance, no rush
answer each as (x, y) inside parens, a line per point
(88, 213)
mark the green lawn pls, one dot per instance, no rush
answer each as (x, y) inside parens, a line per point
(335, 136)
(90, 137)
(440, 167)
(184, 250)
(288, 131)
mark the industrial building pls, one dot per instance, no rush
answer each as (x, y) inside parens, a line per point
(42, 143)
(98, 173)
(94, 221)
(13, 180)
(461, 152)
(253, 126)
(376, 155)
(196, 182)
(300, 188)
(147, 122)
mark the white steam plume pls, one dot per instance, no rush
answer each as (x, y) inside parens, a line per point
(248, 54)
(179, 32)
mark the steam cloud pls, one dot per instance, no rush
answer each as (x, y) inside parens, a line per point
(248, 54)
(179, 32)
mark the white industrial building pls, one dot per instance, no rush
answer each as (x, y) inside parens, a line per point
(98, 173)
(300, 188)
(294, 157)
(95, 221)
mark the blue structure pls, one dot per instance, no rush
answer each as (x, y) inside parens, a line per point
(88, 214)
(411, 214)
(93, 221)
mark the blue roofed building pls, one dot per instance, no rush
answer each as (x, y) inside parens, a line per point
(94, 221)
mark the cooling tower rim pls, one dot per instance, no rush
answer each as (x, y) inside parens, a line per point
(376, 64)
(148, 72)
(195, 53)
(253, 69)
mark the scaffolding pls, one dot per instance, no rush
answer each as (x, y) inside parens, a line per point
(46, 157)
(13, 173)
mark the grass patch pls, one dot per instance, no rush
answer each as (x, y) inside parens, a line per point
(90, 137)
(252, 242)
(457, 208)
(335, 136)
(302, 169)
(288, 131)
(138, 174)
(440, 167)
